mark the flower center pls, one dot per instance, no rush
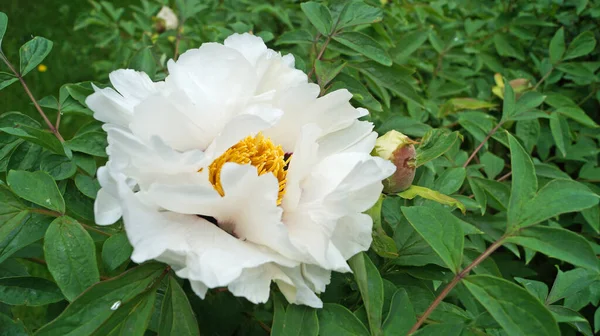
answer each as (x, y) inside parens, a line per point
(257, 151)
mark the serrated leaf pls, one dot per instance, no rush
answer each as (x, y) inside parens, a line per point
(558, 243)
(71, 256)
(177, 317)
(29, 291)
(442, 232)
(365, 45)
(335, 319)
(515, 309)
(33, 53)
(98, 303)
(371, 289)
(557, 46)
(319, 16)
(37, 187)
(116, 250)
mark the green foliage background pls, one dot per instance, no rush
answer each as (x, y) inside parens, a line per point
(498, 235)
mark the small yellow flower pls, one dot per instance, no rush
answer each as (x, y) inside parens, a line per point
(42, 68)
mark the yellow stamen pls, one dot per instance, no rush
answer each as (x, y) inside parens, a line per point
(257, 151)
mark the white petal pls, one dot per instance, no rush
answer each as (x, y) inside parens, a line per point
(255, 283)
(299, 293)
(318, 277)
(109, 107)
(199, 288)
(346, 138)
(107, 208)
(251, 46)
(132, 85)
(353, 234)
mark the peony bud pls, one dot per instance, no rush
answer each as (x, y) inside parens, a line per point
(400, 150)
(168, 17)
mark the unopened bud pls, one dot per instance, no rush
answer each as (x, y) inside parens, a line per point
(400, 150)
(168, 17)
(518, 85)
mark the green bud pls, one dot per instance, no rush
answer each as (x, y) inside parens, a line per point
(400, 150)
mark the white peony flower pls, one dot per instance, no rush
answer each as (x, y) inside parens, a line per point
(236, 173)
(169, 17)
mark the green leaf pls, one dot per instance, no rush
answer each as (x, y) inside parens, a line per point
(326, 71)
(6, 79)
(555, 198)
(10, 205)
(558, 243)
(365, 45)
(87, 185)
(577, 114)
(8, 327)
(358, 13)
(528, 101)
(319, 16)
(116, 250)
(506, 47)
(597, 320)
(524, 181)
(435, 143)
(335, 319)
(29, 291)
(24, 127)
(515, 309)
(509, 104)
(582, 45)
(408, 44)
(492, 164)
(3, 25)
(85, 162)
(143, 60)
(132, 318)
(382, 244)
(371, 289)
(33, 53)
(433, 195)
(459, 104)
(359, 92)
(300, 320)
(22, 230)
(295, 37)
(394, 78)
(440, 329)
(92, 143)
(557, 46)
(556, 127)
(71, 256)
(401, 316)
(450, 180)
(536, 288)
(442, 232)
(569, 283)
(37, 187)
(97, 304)
(177, 317)
(57, 166)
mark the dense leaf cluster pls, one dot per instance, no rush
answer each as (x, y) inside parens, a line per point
(499, 235)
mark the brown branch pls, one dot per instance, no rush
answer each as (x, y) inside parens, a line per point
(91, 228)
(319, 55)
(487, 137)
(178, 40)
(33, 100)
(46, 212)
(37, 261)
(543, 79)
(504, 177)
(454, 282)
